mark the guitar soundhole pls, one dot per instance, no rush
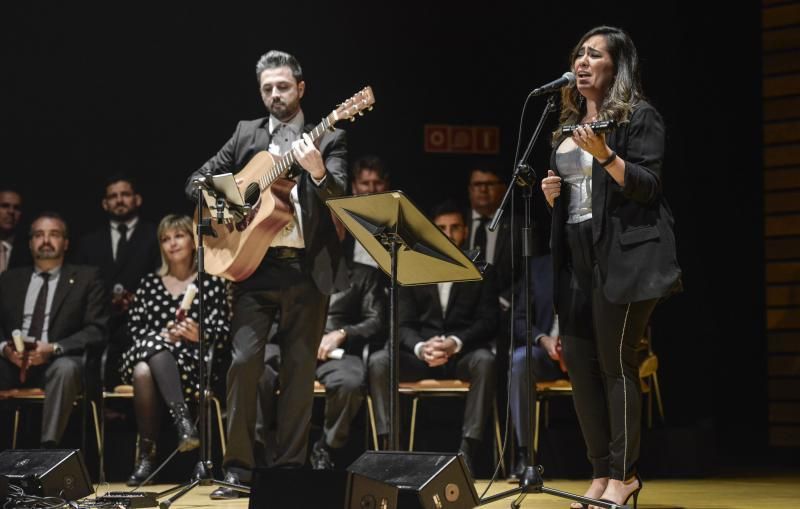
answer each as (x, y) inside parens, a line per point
(251, 194)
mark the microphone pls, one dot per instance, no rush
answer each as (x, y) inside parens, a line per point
(567, 78)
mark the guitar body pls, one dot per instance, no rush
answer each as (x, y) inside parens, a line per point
(238, 248)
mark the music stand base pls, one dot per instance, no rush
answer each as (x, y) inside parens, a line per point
(531, 482)
(201, 477)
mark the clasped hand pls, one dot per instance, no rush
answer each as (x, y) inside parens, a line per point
(186, 329)
(437, 350)
(36, 357)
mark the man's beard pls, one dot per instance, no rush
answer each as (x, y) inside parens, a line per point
(282, 111)
(47, 253)
(123, 218)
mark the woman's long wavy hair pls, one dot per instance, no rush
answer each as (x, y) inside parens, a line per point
(174, 222)
(625, 90)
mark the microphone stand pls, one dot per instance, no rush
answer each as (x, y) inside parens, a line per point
(531, 480)
(202, 472)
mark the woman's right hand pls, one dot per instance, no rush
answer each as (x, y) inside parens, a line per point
(551, 187)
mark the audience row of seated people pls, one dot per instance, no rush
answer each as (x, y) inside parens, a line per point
(129, 279)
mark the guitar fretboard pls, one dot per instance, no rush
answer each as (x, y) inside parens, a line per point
(287, 160)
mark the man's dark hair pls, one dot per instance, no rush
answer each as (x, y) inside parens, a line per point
(120, 177)
(370, 162)
(49, 214)
(449, 206)
(274, 59)
(487, 166)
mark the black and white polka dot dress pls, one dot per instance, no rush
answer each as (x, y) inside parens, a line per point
(153, 307)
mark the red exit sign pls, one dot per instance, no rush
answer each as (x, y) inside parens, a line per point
(461, 139)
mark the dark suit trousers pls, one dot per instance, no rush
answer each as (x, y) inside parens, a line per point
(545, 369)
(599, 339)
(344, 381)
(287, 294)
(61, 381)
(476, 367)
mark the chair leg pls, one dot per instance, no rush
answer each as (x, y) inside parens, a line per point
(650, 409)
(499, 440)
(218, 409)
(537, 412)
(16, 428)
(413, 423)
(98, 437)
(373, 427)
(658, 397)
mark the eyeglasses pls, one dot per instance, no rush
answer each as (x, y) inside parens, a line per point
(484, 185)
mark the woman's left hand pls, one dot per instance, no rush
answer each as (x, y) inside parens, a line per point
(591, 142)
(186, 329)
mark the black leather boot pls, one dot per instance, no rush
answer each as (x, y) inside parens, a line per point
(188, 438)
(145, 464)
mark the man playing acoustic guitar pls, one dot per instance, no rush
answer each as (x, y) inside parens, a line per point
(302, 266)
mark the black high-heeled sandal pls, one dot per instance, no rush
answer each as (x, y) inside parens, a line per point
(634, 494)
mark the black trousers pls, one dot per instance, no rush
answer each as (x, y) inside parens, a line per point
(599, 339)
(477, 367)
(287, 294)
(61, 381)
(344, 380)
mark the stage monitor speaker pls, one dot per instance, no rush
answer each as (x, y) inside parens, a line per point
(410, 480)
(280, 488)
(47, 472)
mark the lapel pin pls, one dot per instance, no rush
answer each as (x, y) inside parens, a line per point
(71, 281)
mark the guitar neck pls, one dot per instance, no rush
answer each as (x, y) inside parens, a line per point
(288, 159)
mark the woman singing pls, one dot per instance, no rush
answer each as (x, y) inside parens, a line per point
(164, 360)
(613, 250)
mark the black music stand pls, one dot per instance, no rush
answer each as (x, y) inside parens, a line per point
(411, 250)
(207, 193)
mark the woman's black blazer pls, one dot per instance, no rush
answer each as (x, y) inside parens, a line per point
(632, 225)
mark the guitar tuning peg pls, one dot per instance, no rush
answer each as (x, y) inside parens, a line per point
(360, 113)
(369, 109)
(352, 119)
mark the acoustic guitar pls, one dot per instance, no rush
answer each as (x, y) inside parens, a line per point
(240, 243)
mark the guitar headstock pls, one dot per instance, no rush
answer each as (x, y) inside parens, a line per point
(362, 100)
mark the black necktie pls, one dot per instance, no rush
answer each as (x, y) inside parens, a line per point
(122, 241)
(480, 235)
(37, 321)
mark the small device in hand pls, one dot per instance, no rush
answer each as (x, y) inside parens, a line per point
(600, 126)
(186, 303)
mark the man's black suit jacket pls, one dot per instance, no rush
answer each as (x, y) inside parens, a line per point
(632, 226)
(503, 276)
(323, 260)
(20, 252)
(360, 309)
(78, 314)
(141, 257)
(472, 313)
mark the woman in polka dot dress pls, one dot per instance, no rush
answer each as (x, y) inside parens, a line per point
(164, 360)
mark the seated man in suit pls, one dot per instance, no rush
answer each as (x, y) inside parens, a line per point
(445, 331)
(14, 250)
(125, 249)
(355, 318)
(63, 307)
(545, 351)
(369, 175)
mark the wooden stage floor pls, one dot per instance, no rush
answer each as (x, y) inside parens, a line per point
(757, 492)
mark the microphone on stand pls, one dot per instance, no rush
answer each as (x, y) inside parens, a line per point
(568, 78)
